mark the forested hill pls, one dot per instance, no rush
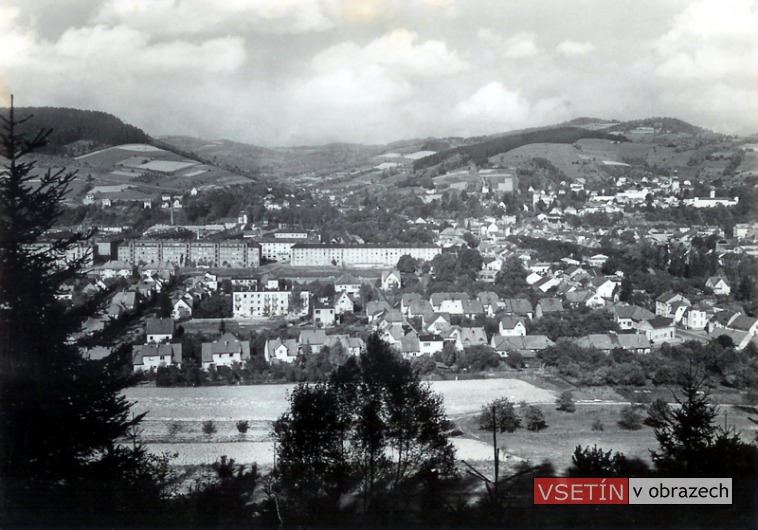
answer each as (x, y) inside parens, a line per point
(484, 150)
(72, 125)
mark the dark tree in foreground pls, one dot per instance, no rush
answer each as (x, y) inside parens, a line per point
(61, 416)
(370, 440)
(594, 462)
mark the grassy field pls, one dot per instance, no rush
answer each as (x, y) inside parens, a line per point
(567, 430)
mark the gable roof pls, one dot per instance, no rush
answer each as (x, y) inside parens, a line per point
(511, 321)
(518, 306)
(156, 350)
(633, 312)
(472, 336)
(550, 305)
(347, 279)
(314, 337)
(159, 326)
(226, 343)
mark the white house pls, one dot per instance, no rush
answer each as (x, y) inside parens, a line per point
(159, 330)
(343, 303)
(391, 280)
(430, 344)
(225, 351)
(694, 318)
(154, 355)
(511, 326)
(718, 285)
(324, 314)
(281, 350)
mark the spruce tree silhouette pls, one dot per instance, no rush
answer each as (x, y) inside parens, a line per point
(61, 415)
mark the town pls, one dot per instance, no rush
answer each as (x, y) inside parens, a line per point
(463, 266)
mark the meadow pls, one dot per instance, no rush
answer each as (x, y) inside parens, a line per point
(174, 423)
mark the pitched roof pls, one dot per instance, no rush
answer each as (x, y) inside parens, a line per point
(633, 312)
(488, 298)
(273, 345)
(154, 350)
(226, 343)
(667, 297)
(347, 279)
(518, 306)
(314, 337)
(511, 321)
(743, 323)
(658, 322)
(159, 326)
(472, 336)
(550, 305)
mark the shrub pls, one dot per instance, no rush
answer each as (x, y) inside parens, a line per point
(175, 428)
(209, 427)
(565, 402)
(243, 426)
(506, 419)
(630, 419)
(597, 425)
(535, 419)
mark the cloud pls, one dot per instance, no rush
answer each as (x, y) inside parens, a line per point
(712, 41)
(522, 44)
(572, 48)
(494, 101)
(396, 53)
(207, 16)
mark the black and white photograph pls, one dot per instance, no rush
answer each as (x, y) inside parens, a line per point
(451, 264)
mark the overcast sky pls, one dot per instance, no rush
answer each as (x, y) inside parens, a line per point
(292, 72)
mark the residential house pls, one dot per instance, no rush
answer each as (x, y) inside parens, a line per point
(548, 307)
(604, 287)
(598, 260)
(528, 346)
(281, 350)
(225, 351)
(490, 302)
(694, 318)
(113, 269)
(430, 344)
(658, 329)
(718, 285)
(408, 299)
(343, 303)
(391, 280)
(159, 330)
(182, 307)
(472, 308)
(607, 342)
(468, 337)
(739, 338)
(437, 322)
(744, 323)
(664, 304)
(545, 284)
(311, 338)
(584, 298)
(154, 355)
(347, 283)
(374, 308)
(324, 313)
(350, 345)
(448, 302)
(629, 316)
(518, 306)
(410, 345)
(511, 325)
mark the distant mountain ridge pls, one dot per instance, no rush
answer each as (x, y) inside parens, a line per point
(75, 125)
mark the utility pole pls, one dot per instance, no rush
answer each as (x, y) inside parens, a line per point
(494, 444)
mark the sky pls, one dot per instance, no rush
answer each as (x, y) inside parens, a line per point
(310, 72)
